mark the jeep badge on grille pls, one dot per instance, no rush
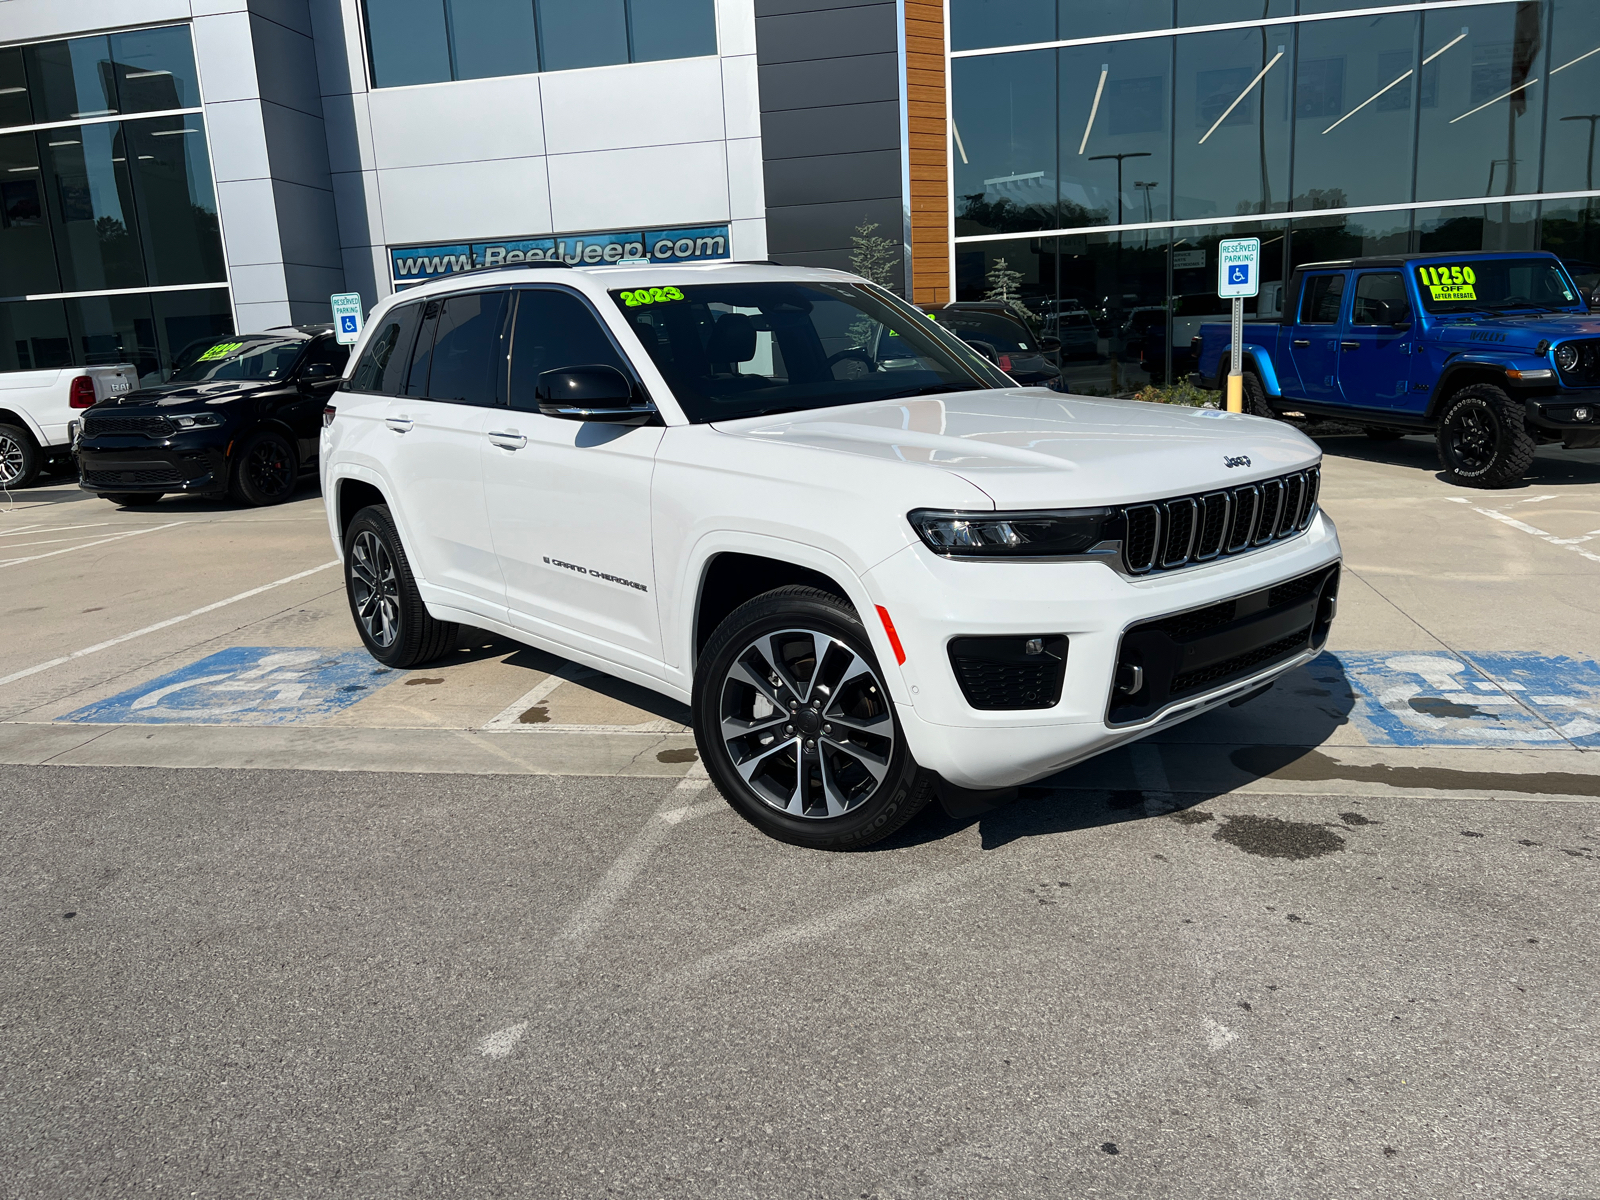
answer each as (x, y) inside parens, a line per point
(1236, 460)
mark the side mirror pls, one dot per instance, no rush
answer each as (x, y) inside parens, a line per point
(982, 347)
(1050, 344)
(317, 372)
(591, 393)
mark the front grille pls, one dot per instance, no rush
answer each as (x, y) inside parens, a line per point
(1194, 529)
(1587, 372)
(999, 673)
(149, 426)
(1182, 655)
(111, 479)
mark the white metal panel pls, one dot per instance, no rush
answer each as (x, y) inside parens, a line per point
(260, 283)
(469, 121)
(638, 104)
(748, 239)
(736, 27)
(37, 20)
(747, 193)
(225, 56)
(249, 216)
(646, 186)
(741, 97)
(238, 141)
(465, 200)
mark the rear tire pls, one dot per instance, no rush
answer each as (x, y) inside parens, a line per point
(265, 470)
(1483, 438)
(132, 499)
(833, 772)
(19, 457)
(1255, 396)
(388, 611)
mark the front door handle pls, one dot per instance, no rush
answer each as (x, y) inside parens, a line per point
(399, 424)
(1349, 345)
(1300, 342)
(507, 440)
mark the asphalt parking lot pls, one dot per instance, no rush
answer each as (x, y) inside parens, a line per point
(279, 923)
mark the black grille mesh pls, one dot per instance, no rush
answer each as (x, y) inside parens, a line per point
(111, 479)
(1163, 537)
(149, 426)
(1240, 663)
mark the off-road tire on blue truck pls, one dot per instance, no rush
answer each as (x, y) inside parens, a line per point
(1483, 438)
(1255, 396)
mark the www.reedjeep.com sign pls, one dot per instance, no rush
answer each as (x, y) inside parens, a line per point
(413, 264)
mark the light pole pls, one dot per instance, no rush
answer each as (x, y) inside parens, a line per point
(1145, 188)
(1591, 118)
(1119, 158)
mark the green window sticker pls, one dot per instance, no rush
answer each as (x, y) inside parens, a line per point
(1449, 283)
(640, 296)
(220, 350)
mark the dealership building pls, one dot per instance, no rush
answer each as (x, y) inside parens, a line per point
(171, 170)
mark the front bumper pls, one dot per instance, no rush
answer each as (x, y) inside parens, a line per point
(1556, 416)
(934, 600)
(151, 467)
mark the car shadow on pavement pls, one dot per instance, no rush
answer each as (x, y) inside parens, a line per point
(1553, 466)
(1197, 761)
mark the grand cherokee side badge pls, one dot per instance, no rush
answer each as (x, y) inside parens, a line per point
(1236, 460)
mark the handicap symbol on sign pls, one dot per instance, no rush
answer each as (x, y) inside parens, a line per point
(347, 323)
(1239, 273)
(247, 685)
(1474, 699)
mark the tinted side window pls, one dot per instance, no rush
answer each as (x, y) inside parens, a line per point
(467, 349)
(422, 356)
(383, 362)
(1319, 302)
(326, 350)
(555, 329)
(1380, 300)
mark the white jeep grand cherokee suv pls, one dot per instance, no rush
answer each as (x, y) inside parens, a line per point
(874, 566)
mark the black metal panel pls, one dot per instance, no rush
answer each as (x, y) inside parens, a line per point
(857, 79)
(825, 32)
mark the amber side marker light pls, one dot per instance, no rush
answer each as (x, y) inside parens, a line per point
(894, 638)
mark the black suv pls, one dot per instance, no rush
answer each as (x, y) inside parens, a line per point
(242, 417)
(998, 333)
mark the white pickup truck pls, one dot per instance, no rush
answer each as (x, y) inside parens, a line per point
(38, 409)
(852, 545)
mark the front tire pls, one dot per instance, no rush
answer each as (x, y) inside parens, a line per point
(388, 611)
(19, 457)
(266, 470)
(1483, 438)
(795, 725)
(1255, 396)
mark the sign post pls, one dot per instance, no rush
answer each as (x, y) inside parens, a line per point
(346, 317)
(1238, 278)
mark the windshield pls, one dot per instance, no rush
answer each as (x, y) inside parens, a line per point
(259, 359)
(1465, 285)
(731, 350)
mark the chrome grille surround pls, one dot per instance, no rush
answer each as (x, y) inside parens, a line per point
(1187, 530)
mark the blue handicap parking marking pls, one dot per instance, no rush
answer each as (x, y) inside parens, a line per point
(247, 685)
(1239, 273)
(347, 323)
(1474, 698)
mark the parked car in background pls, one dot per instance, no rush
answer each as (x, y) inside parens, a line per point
(243, 418)
(37, 412)
(1000, 334)
(1491, 353)
(1075, 329)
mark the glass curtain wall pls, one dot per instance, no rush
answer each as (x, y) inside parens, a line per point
(96, 196)
(433, 41)
(1405, 113)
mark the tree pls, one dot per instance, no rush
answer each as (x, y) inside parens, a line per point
(871, 257)
(1005, 286)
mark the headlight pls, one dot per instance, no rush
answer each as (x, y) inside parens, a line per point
(1567, 356)
(198, 421)
(1055, 533)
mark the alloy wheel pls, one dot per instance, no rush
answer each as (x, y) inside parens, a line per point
(1472, 439)
(270, 468)
(375, 588)
(806, 723)
(12, 460)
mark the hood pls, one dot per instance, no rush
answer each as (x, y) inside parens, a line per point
(171, 395)
(1516, 333)
(1033, 448)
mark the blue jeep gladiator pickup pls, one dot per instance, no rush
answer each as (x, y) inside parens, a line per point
(1492, 353)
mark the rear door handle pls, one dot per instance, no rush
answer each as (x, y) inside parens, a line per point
(507, 440)
(399, 424)
(1349, 345)
(1300, 342)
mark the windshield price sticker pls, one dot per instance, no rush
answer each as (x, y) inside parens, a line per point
(1449, 283)
(655, 295)
(220, 350)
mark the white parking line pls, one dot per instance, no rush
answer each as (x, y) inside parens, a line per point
(1572, 544)
(51, 528)
(17, 562)
(167, 624)
(10, 546)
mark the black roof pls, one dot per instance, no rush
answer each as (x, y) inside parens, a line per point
(1400, 260)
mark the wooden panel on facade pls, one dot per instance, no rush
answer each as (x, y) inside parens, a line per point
(929, 152)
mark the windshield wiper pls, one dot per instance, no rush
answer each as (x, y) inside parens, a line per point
(1508, 307)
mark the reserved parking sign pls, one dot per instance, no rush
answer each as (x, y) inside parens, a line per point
(346, 317)
(1238, 268)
